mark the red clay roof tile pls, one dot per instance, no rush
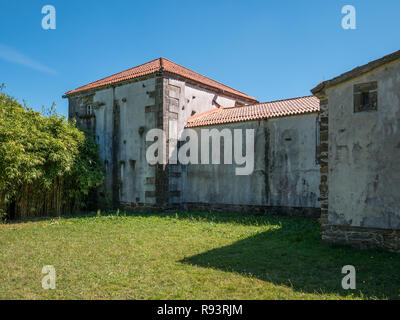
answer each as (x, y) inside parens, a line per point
(274, 109)
(161, 64)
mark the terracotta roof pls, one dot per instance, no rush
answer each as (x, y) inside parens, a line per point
(356, 72)
(161, 64)
(258, 111)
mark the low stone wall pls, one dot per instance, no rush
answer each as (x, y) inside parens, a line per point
(250, 209)
(247, 209)
(362, 237)
(140, 207)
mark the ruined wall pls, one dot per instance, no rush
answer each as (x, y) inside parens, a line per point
(364, 153)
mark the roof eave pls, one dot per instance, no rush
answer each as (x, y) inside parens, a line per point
(255, 119)
(111, 85)
(159, 72)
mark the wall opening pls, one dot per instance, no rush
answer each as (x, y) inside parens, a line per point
(366, 96)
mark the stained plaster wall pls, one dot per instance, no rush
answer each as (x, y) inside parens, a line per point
(364, 153)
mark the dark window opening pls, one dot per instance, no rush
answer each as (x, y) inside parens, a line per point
(366, 96)
(132, 164)
(365, 99)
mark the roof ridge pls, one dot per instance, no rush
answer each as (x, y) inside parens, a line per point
(272, 101)
(140, 65)
(280, 100)
(114, 74)
(208, 78)
(157, 65)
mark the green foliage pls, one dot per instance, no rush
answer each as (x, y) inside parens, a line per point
(38, 154)
(3, 216)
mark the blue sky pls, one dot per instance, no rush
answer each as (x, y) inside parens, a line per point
(267, 49)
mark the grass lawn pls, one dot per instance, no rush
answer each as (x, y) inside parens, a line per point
(186, 256)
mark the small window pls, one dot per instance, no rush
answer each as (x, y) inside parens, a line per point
(317, 141)
(89, 110)
(132, 164)
(366, 96)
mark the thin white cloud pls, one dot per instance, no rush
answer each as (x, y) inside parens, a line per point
(12, 55)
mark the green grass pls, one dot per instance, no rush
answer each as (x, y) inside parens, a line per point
(186, 256)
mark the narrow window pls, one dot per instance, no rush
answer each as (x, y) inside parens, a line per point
(132, 164)
(89, 110)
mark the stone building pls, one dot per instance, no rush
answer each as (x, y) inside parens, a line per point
(360, 155)
(122, 108)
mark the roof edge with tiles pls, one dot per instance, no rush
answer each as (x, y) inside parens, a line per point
(259, 111)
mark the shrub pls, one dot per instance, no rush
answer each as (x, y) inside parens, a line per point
(47, 165)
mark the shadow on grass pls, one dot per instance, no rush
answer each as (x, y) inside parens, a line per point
(293, 256)
(290, 253)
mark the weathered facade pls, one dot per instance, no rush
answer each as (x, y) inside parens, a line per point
(336, 154)
(360, 152)
(121, 109)
(286, 174)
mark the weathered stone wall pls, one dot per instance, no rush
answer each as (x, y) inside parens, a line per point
(120, 117)
(101, 123)
(362, 237)
(286, 174)
(285, 177)
(293, 170)
(181, 101)
(364, 153)
(360, 168)
(136, 175)
(219, 184)
(254, 209)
